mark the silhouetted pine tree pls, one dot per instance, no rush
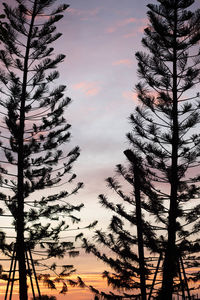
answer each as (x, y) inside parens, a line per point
(138, 181)
(129, 232)
(34, 132)
(164, 125)
(165, 137)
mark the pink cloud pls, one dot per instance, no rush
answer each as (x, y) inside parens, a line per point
(135, 31)
(79, 85)
(84, 13)
(126, 22)
(120, 24)
(110, 29)
(139, 29)
(130, 96)
(88, 88)
(39, 18)
(131, 34)
(133, 96)
(126, 62)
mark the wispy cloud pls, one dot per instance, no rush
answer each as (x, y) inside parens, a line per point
(126, 22)
(88, 88)
(120, 24)
(130, 96)
(126, 62)
(131, 33)
(111, 29)
(141, 25)
(84, 14)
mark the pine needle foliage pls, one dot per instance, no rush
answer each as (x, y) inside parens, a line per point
(129, 232)
(166, 141)
(165, 127)
(34, 132)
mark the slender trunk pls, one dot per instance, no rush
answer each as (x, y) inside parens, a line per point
(20, 229)
(137, 188)
(139, 230)
(170, 253)
(21, 247)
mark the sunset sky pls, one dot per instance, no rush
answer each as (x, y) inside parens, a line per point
(99, 40)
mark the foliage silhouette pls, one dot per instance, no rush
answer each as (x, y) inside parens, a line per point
(163, 136)
(164, 127)
(45, 297)
(33, 135)
(126, 248)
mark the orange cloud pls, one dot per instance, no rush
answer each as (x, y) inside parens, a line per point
(74, 293)
(126, 62)
(88, 88)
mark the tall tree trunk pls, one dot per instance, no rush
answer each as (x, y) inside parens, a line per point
(170, 260)
(21, 247)
(139, 231)
(20, 229)
(139, 222)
